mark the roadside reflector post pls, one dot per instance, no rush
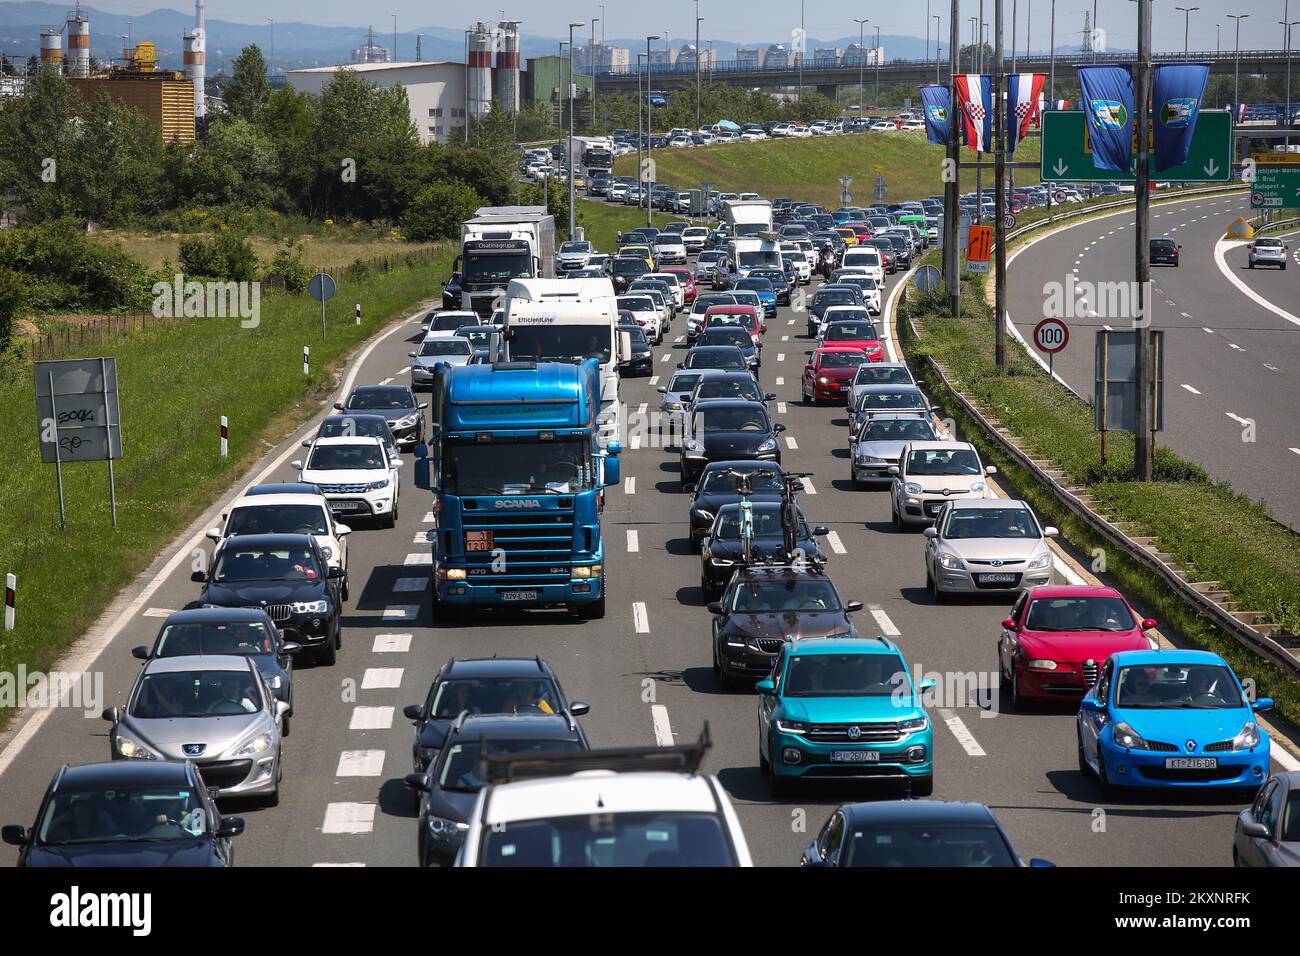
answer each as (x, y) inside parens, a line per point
(358, 313)
(306, 360)
(11, 597)
(225, 434)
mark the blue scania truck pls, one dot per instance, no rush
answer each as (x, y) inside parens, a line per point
(517, 474)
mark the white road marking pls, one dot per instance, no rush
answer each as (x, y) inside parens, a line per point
(882, 621)
(371, 718)
(667, 356)
(630, 486)
(1185, 315)
(421, 537)
(429, 517)
(781, 408)
(633, 545)
(1204, 329)
(663, 729)
(1294, 450)
(963, 735)
(391, 644)
(360, 763)
(808, 486)
(640, 409)
(422, 557)
(385, 381)
(793, 445)
(1235, 347)
(381, 678)
(158, 612)
(791, 322)
(780, 356)
(634, 442)
(679, 339)
(1220, 252)
(785, 338)
(1190, 389)
(1237, 418)
(833, 539)
(780, 380)
(402, 371)
(654, 380)
(338, 864)
(349, 818)
(401, 612)
(639, 619)
(1271, 368)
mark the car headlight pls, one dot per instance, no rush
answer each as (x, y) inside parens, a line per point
(134, 751)
(1126, 736)
(693, 446)
(408, 421)
(823, 379)
(258, 745)
(1041, 664)
(721, 562)
(913, 725)
(1248, 739)
(768, 444)
(949, 561)
(674, 406)
(446, 829)
(1042, 561)
(705, 515)
(310, 607)
(912, 488)
(377, 485)
(797, 727)
(977, 488)
(326, 551)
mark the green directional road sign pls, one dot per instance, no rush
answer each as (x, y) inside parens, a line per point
(1276, 187)
(1066, 154)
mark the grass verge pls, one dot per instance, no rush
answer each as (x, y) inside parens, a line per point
(1215, 532)
(176, 379)
(604, 222)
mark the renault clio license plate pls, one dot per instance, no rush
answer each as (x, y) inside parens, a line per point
(1191, 763)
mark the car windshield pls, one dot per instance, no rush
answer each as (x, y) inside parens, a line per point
(723, 358)
(450, 346)
(739, 387)
(760, 480)
(746, 297)
(575, 246)
(842, 359)
(844, 675)
(875, 374)
(834, 297)
(1177, 686)
(850, 331)
(236, 563)
(724, 336)
(234, 637)
(990, 523)
(346, 457)
(1079, 614)
(460, 767)
(731, 420)
(684, 382)
(381, 398)
(278, 519)
(896, 429)
(475, 337)
(902, 399)
(791, 594)
(494, 695)
(629, 267)
(656, 838)
(122, 815)
(943, 461)
(702, 303)
(562, 343)
(189, 694)
(448, 321)
(528, 467)
(947, 845)
(767, 523)
(363, 426)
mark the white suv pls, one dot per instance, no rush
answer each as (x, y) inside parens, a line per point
(646, 806)
(929, 474)
(254, 513)
(356, 475)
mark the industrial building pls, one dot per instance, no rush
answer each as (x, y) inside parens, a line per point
(545, 81)
(435, 91)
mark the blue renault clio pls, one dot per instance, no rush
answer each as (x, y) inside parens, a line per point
(1172, 718)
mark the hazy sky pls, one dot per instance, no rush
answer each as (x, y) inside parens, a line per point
(772, 20)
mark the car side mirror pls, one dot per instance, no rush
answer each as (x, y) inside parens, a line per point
(893, 470)
(714, 607)
(411, 355)
(662, 389)
(335, 572)
(339, 406)
(230, 827)
(342, 530)
(296, 464)
(140, 652)
(1009, 624)
(1050, 532)
(198, 577)
(1264, 703)
(579, 708)
(418, 782)
(112, 714)
(769, 396)
(411, 711)
(1038, 862)
(821, 531)
(15, 835)
(1092, 705)
(765, 686)
(991, 470)
(214, 534)
(931, 532)
(1250, 828)
(681, 365)
(290, 648)
(853, 607)
(306, 443)
(281, 708)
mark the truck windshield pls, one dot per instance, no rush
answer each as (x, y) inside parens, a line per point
(760, 258)
(496, 266)
(561, 343)
(750, 228)
(558, 467)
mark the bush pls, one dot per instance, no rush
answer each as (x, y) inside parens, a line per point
(438, 211)
(11, 300)
(61, 269)
(228, 257)
(288, 268)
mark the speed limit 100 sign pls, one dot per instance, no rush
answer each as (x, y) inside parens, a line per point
(1051, 336)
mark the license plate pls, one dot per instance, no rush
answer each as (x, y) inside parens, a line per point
(932, 507)
(519, 595)
(1191, 763)
(478, 540)
(844, 388)
(855, 756)
(344, 505)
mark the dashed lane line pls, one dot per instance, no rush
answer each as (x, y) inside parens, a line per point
(371, 718)
(833, 539)
(962, 733)
(633, 544)
(391, 643)
(401, 612)
(629, 486)
(360, 763)
(663, 729)
(382, 678)
(1190, 389)
(791, 443)
(349, 818)
(640, 620)
(419, 557)
(887, 627)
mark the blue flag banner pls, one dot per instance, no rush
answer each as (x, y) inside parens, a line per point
(1177, 90)
(934, 103)
(1107, 94)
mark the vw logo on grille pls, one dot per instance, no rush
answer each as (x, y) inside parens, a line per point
(194, 750)
(1190, 745)
(855, 732)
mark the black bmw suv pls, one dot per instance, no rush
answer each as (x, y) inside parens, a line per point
(287, 576)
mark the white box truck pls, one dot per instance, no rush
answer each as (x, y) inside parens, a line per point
(499, 244)
(747, 217)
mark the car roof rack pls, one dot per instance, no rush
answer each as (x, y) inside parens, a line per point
(677, 758)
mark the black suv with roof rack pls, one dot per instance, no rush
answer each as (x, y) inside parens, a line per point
(765, 607)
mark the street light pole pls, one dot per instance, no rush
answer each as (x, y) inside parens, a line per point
(927, 33)
(1187, 19)
(1092, 40)
(1144, 427)
(862, 57)
(876, 55)
(1236, 65)
(1051, 59)
(974, 25)
(640, 101)
(591, 63)
(272, 22)
(649, 114)
(798, 53)
(1287, 25)
(698, 20)
(938, 49)
(571, 163)
(1015, 22)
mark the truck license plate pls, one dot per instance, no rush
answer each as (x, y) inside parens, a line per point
(519, 595)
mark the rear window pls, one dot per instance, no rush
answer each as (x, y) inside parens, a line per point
(611, 839)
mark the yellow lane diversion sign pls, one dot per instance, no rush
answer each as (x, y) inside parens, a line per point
(1240, 229)
(978, 248)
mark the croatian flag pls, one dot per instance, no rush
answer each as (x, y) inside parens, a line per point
(1241, 112)
(975, 100)
(1062, 104)
(1023, 92)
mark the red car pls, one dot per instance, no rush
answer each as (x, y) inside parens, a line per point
(743, 315)
(853, 334)
(687, 279)
(1058, 636)
(829, 374)
(863, 232)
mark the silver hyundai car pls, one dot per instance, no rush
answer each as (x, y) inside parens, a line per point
(214, 710)
(977, 546)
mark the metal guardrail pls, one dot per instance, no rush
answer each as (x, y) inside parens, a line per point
(1277, 224)
(1118, 204)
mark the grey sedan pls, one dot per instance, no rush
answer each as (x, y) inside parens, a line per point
(1268, 831)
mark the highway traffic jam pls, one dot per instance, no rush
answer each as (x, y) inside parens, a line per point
(655, 555)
